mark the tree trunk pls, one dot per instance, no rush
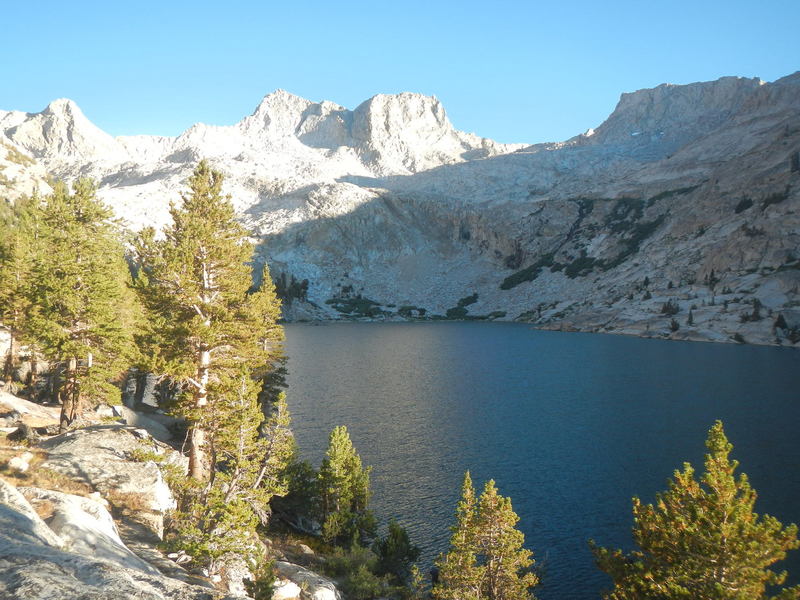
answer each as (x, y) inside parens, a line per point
(33, 374)
(199, 467)
(198, 460)
(197, 457)
(11, 359)
(71, 397)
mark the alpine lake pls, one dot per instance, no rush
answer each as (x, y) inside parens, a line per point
(571, 426)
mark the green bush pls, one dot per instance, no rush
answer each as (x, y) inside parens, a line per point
(396, 553)
(775, 198)
(261, 586)
(357, 306)
(528, 273)
(582, 265)
(458, 312)
(302, 497)
(467, 300)
(407, 311)
(670, 307)
(354, 570)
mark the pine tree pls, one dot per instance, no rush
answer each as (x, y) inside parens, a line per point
(460, 576)
(197, 285)
(701, 539)
(222, 516)
(82, 310)
(487, 559)
(506, 575)
(396, 553)
(215, 335)
(18, 228)
(344, 492)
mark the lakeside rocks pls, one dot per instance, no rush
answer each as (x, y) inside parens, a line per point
(60, 545)
(37, 564)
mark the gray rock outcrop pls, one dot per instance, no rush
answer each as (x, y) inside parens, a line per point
(101, 457)
(36, 564)
(20, 522)
(140, 421)
(85, 526)
(313, 585)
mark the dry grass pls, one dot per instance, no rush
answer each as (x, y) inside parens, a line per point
(36, 475)
(44, 508)
(131, 501)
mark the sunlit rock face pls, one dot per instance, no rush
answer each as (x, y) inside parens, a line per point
(691, 187)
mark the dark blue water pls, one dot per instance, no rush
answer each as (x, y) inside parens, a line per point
(569, 425)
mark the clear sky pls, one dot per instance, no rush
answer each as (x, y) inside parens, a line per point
(515, 71)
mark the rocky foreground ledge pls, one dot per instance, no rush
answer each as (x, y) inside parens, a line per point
(80, 518)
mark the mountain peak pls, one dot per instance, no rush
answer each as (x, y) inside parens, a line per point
(62, 132)
(281, 100)
(63, 106)
(395, 113)
(671, 115)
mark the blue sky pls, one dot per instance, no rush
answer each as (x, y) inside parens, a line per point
(515, 71)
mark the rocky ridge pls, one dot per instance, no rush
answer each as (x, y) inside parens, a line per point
(684, 201)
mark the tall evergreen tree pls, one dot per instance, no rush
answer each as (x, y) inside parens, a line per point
(82, 309)
(215, 335)
(18, 229)
(221, 516)
(701, 539)
(197, 283)
(344, 492)
(460, 575)
(506, 562)
(486, 560)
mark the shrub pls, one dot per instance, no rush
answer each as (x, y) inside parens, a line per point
(354, 570)
(529, 273)
(670, 307)
(467, 300)
(261, 586)
(396, 553)
(18, 157)
(458, 312)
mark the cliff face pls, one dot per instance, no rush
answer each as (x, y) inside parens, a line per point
(685, 194)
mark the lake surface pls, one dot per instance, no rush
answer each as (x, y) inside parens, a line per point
(569, 425)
